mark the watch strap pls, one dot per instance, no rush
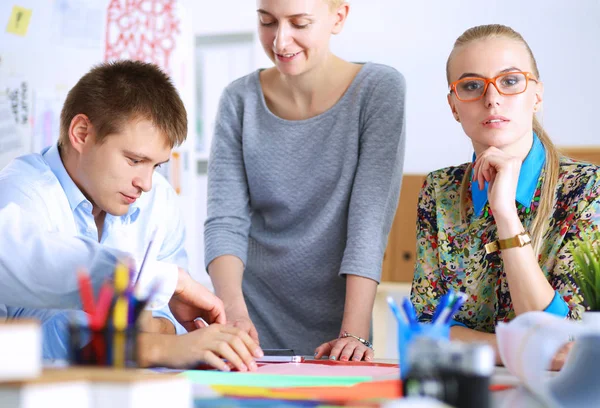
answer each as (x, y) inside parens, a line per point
(518, 241)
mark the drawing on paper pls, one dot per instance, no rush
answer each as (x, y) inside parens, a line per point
(143, 30)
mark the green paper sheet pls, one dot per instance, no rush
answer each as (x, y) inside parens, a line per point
(268, 380)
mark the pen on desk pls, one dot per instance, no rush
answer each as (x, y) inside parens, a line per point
(140, 303)
(102, 307)
(86, 292)
(458, 302)
(501, 387)
(132, 302)
(148, 249)
(120, 315)
(98, 323)
(410, 311)
(445, 315)
(132, 274)
(92, 310)
(87, 300)
(121, 278)
(445, 301)
(121, 303)
(392, 304)
(200, 323)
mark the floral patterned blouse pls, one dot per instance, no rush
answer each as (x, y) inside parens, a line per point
(451, 254)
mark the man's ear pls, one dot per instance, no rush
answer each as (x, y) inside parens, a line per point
(80, 132)
(341, 14)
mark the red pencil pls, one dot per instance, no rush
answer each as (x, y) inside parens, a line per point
(86, 292)
(501, 387)
(104, 300)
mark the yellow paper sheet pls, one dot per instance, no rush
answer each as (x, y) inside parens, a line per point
(18, 23)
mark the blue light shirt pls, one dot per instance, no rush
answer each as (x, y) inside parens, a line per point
(40, 185)
(24, 283)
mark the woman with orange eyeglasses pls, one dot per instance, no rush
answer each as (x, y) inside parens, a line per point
(497, 228)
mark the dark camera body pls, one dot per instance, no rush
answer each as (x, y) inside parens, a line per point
(458, 374)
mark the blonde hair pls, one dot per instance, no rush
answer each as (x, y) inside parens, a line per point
(541, 220)
(334, 4)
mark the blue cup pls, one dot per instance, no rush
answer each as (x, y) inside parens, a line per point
(409, 334)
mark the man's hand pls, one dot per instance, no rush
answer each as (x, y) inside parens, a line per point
(212, 345)
(192, 300)
(150, 324)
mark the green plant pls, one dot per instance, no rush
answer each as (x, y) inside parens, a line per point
(586, 254)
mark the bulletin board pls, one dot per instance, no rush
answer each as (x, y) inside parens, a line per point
(47, 45)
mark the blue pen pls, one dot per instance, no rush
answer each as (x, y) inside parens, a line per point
(392, 304)
(445, 301)
(440, 306)
(410, 311)
(460, 300)
(132, 306)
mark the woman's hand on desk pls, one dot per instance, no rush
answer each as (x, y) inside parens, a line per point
(345, 349)
(241, 320)
(192, 300)
(208, 345)
(560, 357)
(470, 335)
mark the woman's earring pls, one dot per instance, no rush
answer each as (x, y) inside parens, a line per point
(457, 118)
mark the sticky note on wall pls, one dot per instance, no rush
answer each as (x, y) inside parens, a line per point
(18, 23)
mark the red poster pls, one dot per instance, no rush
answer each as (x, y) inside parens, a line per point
(143, 30)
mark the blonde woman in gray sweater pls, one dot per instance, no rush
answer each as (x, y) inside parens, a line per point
(304, 178)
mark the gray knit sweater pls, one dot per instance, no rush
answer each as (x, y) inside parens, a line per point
(303, 203)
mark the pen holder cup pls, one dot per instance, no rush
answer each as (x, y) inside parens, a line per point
(409, 334)
(103, 347)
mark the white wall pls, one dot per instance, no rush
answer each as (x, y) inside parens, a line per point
(64, 39)
(416, 38)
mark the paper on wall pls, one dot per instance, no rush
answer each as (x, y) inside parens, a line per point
(18, 23)
(15, 118)
(78, 23)
(9, 140)
(144, 31)
(46, 128)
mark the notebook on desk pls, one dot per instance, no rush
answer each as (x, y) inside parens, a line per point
(53, 388)
(97, 387)
(20, 350)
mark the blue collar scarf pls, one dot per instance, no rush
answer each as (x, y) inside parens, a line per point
(531, 169)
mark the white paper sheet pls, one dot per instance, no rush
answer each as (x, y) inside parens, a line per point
(15, 118)
(527, 346)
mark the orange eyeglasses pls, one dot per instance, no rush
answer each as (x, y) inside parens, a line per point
(471, 89)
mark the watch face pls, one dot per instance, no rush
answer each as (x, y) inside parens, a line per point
(524, 239)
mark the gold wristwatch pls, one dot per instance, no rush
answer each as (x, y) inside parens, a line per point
(518, 241)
